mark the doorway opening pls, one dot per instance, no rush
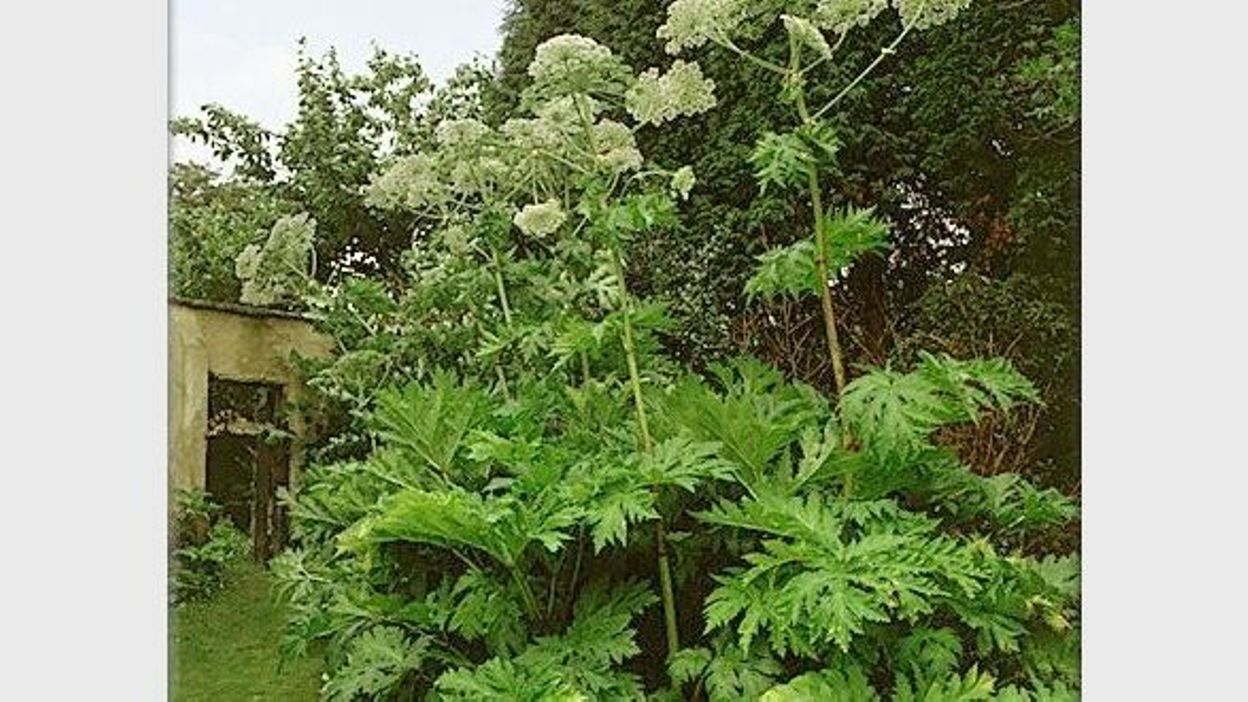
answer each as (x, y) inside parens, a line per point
(248, 459)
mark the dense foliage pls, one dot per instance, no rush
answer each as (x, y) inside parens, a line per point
(345, 127)
(522, 495)
(210, 222)
(205, 545)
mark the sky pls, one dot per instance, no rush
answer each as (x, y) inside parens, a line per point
(242, 53)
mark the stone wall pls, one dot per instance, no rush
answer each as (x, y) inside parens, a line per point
(234, 342)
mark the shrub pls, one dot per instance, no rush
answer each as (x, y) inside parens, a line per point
(205, 547)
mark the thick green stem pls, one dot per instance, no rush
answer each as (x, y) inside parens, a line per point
(825, 292)
(821, 260)
(634, 379)
(497, 269)
(665, 584)
(884, 53)
(647, 444)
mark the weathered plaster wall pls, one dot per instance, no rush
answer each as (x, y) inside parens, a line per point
(234, 342)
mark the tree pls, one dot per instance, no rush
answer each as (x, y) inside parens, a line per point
(346, 128)
(211, 221)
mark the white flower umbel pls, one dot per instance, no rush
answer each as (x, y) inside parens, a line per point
(683, 90)
(532, 134)
(541, 219)
(840, 16)
(683, 181)
(570, 63)
(275, 272)
(806, 34)
(456, 238)
(568, 114)
(412, 182)
(465, 133)
(923, 14)
(616, 147)
(691, 23)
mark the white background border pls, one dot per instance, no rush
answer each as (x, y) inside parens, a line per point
(1164, 419)
(82, 363)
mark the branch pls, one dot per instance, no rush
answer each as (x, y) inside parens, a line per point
(756, 60)
(884, 53)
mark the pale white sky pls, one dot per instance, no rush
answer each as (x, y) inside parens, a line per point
(241, 53)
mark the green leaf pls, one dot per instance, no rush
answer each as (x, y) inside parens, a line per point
(785, 271)
(929, 652)
(791, 271)
(787, 160)
(432, 421)
(449, 519)
(688, 664)
(850, 234)
(849, 685)
(974, 686)
(614, 511)
(894, 413)
(754, 419)
(376, 663)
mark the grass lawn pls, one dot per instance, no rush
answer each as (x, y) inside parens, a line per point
(225, 649)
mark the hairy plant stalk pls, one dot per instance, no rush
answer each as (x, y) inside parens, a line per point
(647, 443)
(576, 567)
(665, 584)
(634, 377)
(821, 274)
(816, 196)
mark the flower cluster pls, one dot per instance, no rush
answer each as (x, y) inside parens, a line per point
(923, 14)
(805, 33)
(565, 135)
(616, 147)
(274, 272)
(683, 181)
(541, 219)
(691, 23)
(683, 90)
(840, 16)
(456, 238)
(567, 113)
(532, 134)
(466, 133)
(412, 182)
(571, 63)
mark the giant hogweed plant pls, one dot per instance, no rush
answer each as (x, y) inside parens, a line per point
(496, 284)
(803, 156)
(546, 203)
(554, 496)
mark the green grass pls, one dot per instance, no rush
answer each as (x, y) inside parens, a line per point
(224, 649)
